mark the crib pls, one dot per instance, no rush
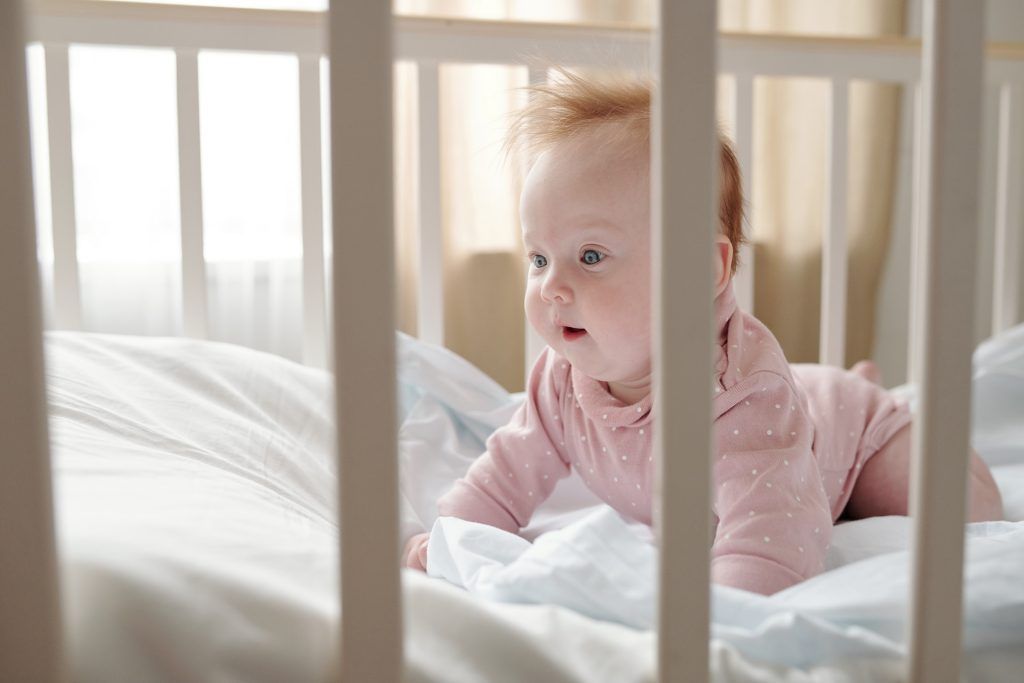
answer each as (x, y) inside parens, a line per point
(361, 40)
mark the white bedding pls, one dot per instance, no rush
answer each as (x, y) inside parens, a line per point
(197, 535)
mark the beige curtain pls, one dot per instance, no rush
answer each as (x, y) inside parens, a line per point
(484, 268)
(786, 198)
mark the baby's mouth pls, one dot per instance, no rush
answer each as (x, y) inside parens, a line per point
(572, 333)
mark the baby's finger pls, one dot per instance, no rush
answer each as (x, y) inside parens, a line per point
(408, 561)
(411, 558)
(422, 555)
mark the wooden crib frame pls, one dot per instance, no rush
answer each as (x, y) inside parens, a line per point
(364, 41)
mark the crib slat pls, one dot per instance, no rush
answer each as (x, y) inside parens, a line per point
(744, 117)
(984, 301)
(190, 179)
(915, 314)
(1009, 205)
(314, 311)
(684, 158)
(30, 623)
(953, 74)
(430, 302)
(67, 298)
(534, 342)
(364, 338)
(834, 256)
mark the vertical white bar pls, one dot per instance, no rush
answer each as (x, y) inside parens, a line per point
(918, 240)
(744, 117)
(30, 622)
(534, 342)
(67, 299)
(834, 256)
(984, 302)
(953, 77)
(364, 338)
(190, 182)
(430, 296)
(1009, 207)
(314, 311)
(684, 158)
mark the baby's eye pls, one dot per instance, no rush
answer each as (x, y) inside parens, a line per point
(538, 261)
(592, 256)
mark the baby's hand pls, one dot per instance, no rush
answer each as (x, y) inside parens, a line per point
(415, 554)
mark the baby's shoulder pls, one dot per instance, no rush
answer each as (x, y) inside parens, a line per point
(750, 351)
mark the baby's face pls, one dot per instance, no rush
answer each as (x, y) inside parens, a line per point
(585, 211)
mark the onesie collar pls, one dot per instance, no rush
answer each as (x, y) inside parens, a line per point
(598, 404)
(725, 309)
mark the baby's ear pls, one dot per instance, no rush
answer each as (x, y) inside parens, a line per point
(723, 263)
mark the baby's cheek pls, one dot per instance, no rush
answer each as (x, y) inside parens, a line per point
(531, 299)
(628, 322)
(634, 309)
(640, 333)
(535, 313)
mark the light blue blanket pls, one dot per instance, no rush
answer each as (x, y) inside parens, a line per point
(602, 567)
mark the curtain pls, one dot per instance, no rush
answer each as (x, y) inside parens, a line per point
(786, 196)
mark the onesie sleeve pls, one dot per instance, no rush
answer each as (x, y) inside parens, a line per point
(522, 463)
(774, 521)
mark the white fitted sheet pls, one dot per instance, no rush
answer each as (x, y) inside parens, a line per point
(197, 537)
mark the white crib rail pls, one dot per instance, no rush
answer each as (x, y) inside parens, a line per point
(67, 298)
(190, 179)
(364, 339)
(953, 68)
(314, 311)
(834, 256)
(30, 620)
(430, 236)
(534, 343)
(917, 243)
(743, 136)
(1009, 208)
(684, 158)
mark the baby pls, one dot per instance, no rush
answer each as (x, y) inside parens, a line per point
(796, 447)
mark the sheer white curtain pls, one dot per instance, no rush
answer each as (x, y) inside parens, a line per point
(123, 117)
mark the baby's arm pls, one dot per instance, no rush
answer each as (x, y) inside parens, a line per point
(774, 520)
(523, 462)
(524, 459)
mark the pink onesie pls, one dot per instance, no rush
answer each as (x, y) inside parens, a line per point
(789, 445)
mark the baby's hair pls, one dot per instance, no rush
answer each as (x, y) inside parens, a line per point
(571, 105)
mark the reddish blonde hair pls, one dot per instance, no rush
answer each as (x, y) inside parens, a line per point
(564, 109)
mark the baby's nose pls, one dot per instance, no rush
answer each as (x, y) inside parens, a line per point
(556, 289)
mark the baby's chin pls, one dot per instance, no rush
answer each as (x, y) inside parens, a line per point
(602, 370)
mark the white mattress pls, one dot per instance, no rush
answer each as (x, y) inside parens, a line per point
(197, 535)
